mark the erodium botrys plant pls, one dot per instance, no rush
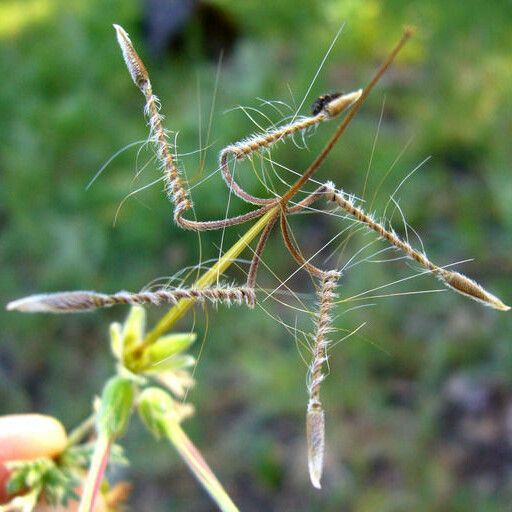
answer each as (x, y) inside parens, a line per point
(152, 366)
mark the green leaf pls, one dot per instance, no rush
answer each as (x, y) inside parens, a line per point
(43, 475)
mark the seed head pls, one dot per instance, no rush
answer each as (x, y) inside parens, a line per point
(61, 302)
(338, 104)
(466, 286)
(315, 433)
(134, 63)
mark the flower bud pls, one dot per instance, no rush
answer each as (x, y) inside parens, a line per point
(155, 406)
(116, 406)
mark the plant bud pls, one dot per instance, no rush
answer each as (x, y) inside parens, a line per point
(155, 406)
(466, 286)
(116, 406)
(340, 103)
(133, 62)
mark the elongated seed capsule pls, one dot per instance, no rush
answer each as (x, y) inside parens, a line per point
(466, 286)
(454, 280)
(134, 63)
(158, 135)
(259, 142)
(174, 186)
(337, 105)
(315, 433)
(60, 302)
(72, 302)
(315, 417)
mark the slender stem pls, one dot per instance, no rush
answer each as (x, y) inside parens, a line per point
(95, 474)
(195, 461)
(343, 125)
(297, 256)
(79, 432)
(255, 263)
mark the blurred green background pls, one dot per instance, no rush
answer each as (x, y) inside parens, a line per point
(418, 402)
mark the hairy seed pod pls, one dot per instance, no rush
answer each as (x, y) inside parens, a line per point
(60, 302)
(73, 302)
(315, 433)
(466, 286)
(315, 417)
(133, 62)
(339, 103)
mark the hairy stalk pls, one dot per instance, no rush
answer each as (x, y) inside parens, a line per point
(315, 417)
(95, 474)
(141, 79)
(308, 200)
(240, 150)
(297, 256)
(72, 302)
(158, 135)
(454, 280)
(195, 461)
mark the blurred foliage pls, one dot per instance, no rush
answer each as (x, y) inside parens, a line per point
(419, 402)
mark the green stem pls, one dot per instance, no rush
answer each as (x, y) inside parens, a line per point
(195, 461)
(177, 311)
(78, 433)
(95, 474)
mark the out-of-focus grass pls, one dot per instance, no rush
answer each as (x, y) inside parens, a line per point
(418, 404)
